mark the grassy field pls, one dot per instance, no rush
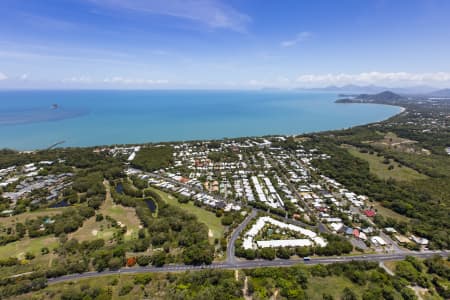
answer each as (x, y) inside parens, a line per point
(387, 213)
(21, 218)
(390, 265)
(317, 286)
(381, 170)
(122, 214)
(215, 226)
(19, 248)
(54, 291)
(332, 285)
(94, 230)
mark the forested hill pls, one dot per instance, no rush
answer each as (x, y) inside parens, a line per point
(386, 97)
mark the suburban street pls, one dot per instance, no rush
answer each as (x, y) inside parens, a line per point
(231, 258)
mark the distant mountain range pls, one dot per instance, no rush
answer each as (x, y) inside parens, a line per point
(445, 93)
(356, 90)
(387, 97)
(372, 89)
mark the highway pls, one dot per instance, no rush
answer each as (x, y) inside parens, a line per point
(237, 264)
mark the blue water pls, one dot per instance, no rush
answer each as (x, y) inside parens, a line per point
(28, 119)
(151, 205)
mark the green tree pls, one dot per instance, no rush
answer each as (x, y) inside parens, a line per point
(348, 294)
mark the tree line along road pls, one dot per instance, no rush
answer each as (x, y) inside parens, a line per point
(247, 265)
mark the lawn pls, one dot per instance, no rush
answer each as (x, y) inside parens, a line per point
(388, 213)
(54, 291)
(215, 226)
(95, 230)
(122, 214)
(21, 218)
(381, 170)
(19, 248)
(390, 265)
(332, 285)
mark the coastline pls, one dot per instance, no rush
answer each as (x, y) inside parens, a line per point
(194, 116)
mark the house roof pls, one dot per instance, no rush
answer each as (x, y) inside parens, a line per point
(369, 213)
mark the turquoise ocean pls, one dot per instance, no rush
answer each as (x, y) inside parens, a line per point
(37, 119)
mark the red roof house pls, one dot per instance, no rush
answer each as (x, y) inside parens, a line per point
(370, 213)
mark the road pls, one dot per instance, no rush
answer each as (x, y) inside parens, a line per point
(247, 265)
(231, 258)
(321, 227)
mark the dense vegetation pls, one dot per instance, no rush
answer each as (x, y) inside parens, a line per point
(170, 229)
(153, 158)
(353, 280)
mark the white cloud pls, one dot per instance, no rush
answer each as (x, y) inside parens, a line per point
(78, 79)
(300, 37)
(3, 76)
(117, 80)
(24, 76)
(283, 80)
(381, 78)
(139, 81)
(254, 82)
(212, 13)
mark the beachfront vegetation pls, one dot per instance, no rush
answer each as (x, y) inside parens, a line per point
(153, 158)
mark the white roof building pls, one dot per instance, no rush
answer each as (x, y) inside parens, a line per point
(261, 222)
(377, 240)
(284, 243)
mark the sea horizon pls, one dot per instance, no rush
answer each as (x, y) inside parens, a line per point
(37, 119)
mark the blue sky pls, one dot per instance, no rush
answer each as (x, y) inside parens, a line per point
(223, 44)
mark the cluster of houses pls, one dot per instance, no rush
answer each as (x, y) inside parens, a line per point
(26, 179)
(266, 192)
(249, 176)
(243, 188)
(129, 152)
(234, 179)
(326, 198)
(309, 238)
(179, 185)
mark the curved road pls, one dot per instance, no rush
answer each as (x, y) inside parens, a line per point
(231, 258)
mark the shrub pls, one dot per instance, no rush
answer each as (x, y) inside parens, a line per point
(125, 290)
(131, 261)
(143, 260)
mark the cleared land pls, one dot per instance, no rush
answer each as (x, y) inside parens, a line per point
(394, 142)
(381, 170)
(332, 285)
(215, 226)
